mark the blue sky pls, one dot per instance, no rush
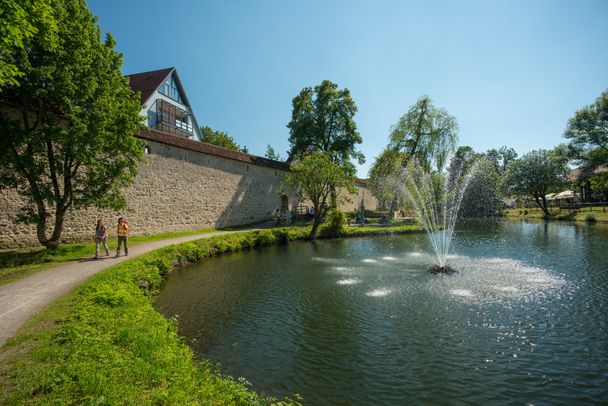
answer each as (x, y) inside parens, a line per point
(511, 72)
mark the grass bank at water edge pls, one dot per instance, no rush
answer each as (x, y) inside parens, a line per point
(104, 343)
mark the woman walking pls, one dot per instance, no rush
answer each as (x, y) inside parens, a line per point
(122, 231)
(101, 237)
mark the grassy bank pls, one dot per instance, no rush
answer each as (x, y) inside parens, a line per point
(595, 214)
(16, 264)
(105, 344)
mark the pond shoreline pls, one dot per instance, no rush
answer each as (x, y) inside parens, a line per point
(104, 340)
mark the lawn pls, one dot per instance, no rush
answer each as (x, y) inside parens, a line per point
(589, 214)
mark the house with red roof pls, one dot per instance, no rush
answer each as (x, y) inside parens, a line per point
(165, 104)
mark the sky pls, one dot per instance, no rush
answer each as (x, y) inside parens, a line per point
(512, 72)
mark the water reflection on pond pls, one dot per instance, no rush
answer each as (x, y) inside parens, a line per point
(360, 321)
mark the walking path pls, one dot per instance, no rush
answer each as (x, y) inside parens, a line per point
(23, 298)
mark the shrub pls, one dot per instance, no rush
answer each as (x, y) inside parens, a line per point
(336, 222)
(590, 218)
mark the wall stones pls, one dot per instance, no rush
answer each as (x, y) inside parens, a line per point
(175, 190)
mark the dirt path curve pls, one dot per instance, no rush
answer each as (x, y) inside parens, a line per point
(23, 298)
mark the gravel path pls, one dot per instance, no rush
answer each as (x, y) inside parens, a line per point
(23, 298)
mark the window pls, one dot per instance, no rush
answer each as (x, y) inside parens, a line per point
(169, 89)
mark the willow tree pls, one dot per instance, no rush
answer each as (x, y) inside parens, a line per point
(67, 121)
(426, 133)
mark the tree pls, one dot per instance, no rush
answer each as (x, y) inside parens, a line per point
(536, 174)
(323, 120)
(482, 198)
(271, 154)
(315, 176)
(501, 157)
(219, 138)
(588, 129)
(383, 176)
(68, 122)
(426, 133)
(20, 21)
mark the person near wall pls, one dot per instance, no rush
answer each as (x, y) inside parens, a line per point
(122, 232)
(101, 237)
(288, 216)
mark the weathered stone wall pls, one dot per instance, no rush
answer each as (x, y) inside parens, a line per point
(175, 190)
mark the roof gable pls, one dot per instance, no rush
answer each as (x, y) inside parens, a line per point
(148, 82)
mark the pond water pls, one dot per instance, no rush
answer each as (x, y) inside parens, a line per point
(362, 322)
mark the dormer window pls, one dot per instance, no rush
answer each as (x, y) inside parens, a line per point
(169, 89)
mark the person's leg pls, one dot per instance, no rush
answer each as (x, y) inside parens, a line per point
(97, 242)
(105, 245)
(118, 247)
(126, 245)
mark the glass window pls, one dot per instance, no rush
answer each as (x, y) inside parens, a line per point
(170, 89)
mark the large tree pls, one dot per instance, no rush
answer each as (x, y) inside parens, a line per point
(588, 129)
(384, 176)
(219, 138)
(536, 174)
(315, 176)
(20, 21)
(67, 122)
(500, 158)
(322, 120)
(425, 133)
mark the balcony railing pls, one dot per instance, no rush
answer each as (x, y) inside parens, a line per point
(171, 119)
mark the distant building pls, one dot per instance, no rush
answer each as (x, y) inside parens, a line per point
(165, 104)
(581, 179)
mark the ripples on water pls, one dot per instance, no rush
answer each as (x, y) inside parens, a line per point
(362, 322)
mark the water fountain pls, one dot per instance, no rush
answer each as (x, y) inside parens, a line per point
(436, 200)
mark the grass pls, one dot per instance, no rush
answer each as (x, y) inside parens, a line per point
(16, 264)
(104, 343)
(583, 214)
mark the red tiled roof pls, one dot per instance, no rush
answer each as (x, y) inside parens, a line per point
(210, 149)
(148, 82)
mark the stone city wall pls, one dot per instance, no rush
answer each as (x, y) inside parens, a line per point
(177, 189)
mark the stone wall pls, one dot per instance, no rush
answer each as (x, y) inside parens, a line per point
(177, 189)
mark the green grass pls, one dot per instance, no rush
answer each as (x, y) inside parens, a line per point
(16, 264)
(104, 343)
(565, 215)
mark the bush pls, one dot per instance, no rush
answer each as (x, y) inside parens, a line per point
(590, 218)
(335, 226)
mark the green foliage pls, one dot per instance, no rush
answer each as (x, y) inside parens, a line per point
(67, 121)
(425, 133)
(383, 175)
(315, 177)
(482, 198)
(219, 138)
(590, 218)
(323, 120)
(336, 224)
(501, 158)
(535, 175)
(599, 185)
(105, 344)
(20, 22)
(588, 129)
(271, 154)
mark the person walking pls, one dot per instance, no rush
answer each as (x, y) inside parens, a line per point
(122, 232)
(101, 237)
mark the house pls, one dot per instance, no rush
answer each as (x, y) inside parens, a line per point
(581, 178)
(165, 104)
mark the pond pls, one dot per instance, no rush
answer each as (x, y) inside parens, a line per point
(362, 322)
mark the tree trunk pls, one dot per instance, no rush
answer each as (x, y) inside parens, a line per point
(543, 205)
(315, 226)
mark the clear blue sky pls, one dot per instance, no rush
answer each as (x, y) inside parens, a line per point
(511, 72)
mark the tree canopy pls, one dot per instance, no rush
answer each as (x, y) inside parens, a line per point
(219, 138)
(322, 120)
(536, 174)
(588, 129)
(426, 133)
(315, 176)
(67, 120)
(272, 154)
